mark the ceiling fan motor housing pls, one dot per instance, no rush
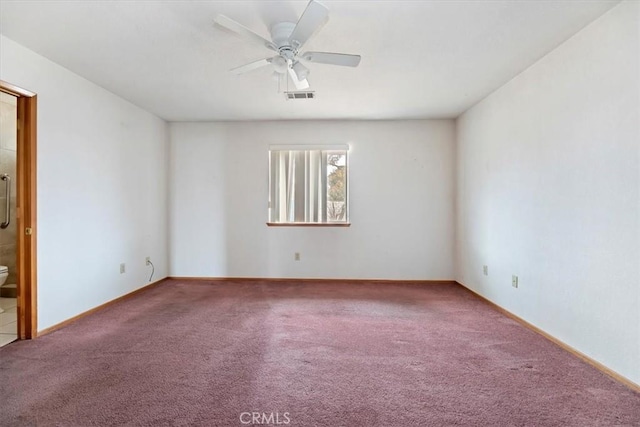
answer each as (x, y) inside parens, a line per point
(280, 34)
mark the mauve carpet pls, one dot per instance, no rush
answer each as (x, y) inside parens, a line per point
(202, 354)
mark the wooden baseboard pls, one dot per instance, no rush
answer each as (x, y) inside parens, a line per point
(98, 308)
(599, 366)
(616, 376)
(311, 281)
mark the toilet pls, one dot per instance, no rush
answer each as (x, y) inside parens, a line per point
(4, 273)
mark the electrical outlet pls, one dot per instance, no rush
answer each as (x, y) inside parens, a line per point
(122, 268)
(514, 281)
(147, 261)
(485, 270)
(296, 256)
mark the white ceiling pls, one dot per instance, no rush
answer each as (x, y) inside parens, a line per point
(420, 59)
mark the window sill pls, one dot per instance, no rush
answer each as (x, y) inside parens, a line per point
(309, 224)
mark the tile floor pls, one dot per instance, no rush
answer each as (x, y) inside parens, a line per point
(8, 320)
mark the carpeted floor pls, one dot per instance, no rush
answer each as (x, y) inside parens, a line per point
(185, 353)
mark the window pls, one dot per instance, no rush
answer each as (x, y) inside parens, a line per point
(308, 185)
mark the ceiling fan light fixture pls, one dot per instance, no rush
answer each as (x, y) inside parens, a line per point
(280, 64)
(301, 71)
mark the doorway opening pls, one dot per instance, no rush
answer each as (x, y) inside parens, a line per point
(17, 213)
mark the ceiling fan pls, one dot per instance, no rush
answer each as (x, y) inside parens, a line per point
(286, 40)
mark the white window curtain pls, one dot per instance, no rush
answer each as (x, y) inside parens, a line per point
(298, 186)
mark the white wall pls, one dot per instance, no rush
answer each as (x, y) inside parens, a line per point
(401, 208)
(548, 188)
(102, 187)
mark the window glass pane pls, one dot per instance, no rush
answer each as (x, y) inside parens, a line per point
(336, 186)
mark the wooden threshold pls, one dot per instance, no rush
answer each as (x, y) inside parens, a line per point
(98, 308)
(599, 366)
(316, 281)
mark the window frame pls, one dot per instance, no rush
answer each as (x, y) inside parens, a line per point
(303, 147)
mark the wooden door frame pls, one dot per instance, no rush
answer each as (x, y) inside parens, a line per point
(26, 210)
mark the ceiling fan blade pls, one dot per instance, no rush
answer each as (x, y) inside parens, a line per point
(243, 31)
(332, 58)
(299, 84)
(251, 66)
(313, 17)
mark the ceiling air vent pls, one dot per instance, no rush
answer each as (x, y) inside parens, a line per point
(300, 95)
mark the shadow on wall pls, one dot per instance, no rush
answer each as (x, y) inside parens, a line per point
(244, 202)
